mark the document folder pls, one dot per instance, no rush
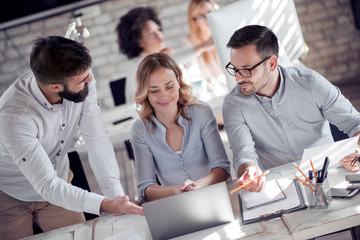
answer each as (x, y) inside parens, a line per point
(293, 201)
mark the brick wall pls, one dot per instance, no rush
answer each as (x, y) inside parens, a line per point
(328, 28)
(334, 42)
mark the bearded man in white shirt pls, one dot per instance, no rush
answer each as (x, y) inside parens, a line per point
(38, 116)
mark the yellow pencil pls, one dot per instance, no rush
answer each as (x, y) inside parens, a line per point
(307, 179)
(304, 183)
(312, 166)
(248, 182)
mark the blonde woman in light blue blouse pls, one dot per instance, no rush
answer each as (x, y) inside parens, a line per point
(176, 138)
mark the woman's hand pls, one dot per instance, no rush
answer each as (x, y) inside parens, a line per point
(351, 162)
(189, 185)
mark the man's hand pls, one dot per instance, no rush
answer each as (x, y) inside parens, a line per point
(248, 171)
(349, 163)
(120, 205)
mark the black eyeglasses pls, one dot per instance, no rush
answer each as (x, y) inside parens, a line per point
(244, 72)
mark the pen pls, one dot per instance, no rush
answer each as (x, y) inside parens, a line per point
(311, 176)
(318, 176)
(248, 182)
(307, 179)
(312, 166)
(324, 170)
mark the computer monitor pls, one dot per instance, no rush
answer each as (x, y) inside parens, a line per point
(118, 91)
(279, 15)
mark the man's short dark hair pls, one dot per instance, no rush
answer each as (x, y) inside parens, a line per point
(55, 58)
(262, 37)
(129, 29)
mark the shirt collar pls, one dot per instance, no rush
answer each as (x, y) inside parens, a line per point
(182, 121)
(282, 81)
(39, 96)
(280, 88)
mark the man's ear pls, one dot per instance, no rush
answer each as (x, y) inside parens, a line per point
(273, 63)
(56, 87)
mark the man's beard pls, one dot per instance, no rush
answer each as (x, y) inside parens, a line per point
(75, 97)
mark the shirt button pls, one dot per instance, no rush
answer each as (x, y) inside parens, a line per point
(24, 159)
(63, 125)
(51, 108)
(62, 141)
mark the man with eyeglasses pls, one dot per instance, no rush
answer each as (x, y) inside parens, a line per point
(274, 112)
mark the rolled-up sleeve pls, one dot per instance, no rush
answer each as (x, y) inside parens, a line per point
(100, 150)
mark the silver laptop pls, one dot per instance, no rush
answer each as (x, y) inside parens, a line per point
(189, 212)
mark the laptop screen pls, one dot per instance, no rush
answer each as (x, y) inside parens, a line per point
(189, 212)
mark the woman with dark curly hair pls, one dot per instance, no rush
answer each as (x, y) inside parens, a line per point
(176, 137)
(139, 34)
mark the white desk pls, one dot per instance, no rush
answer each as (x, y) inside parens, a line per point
(304, 224)
(135, 227)
(342, 214)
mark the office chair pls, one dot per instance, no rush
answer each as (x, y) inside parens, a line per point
(337, 134)
(118, 94)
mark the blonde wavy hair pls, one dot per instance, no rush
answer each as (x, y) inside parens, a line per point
(148, 65)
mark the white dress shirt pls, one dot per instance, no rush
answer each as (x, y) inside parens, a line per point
(34, 139)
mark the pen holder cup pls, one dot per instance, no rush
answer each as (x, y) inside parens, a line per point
(318, 195)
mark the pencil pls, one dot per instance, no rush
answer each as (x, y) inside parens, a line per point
(250, 181)
(307, 179)
(304, 183)
(312, 166)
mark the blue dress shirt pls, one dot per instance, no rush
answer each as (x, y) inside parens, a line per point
(275, 131)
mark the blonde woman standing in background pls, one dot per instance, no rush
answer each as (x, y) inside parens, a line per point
(207, 61)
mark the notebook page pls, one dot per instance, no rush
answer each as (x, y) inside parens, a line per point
(291, 201)
(270, 193)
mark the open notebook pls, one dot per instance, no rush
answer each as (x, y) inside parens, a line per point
(287, 197)
(271, 193)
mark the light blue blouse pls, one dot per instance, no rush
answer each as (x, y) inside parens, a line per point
(202, 150)
(275, 131)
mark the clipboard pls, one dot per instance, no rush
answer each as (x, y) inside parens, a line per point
(293, 201)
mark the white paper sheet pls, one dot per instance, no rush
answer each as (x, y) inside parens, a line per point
(291, 201)
(271, 193)
(335, 151)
